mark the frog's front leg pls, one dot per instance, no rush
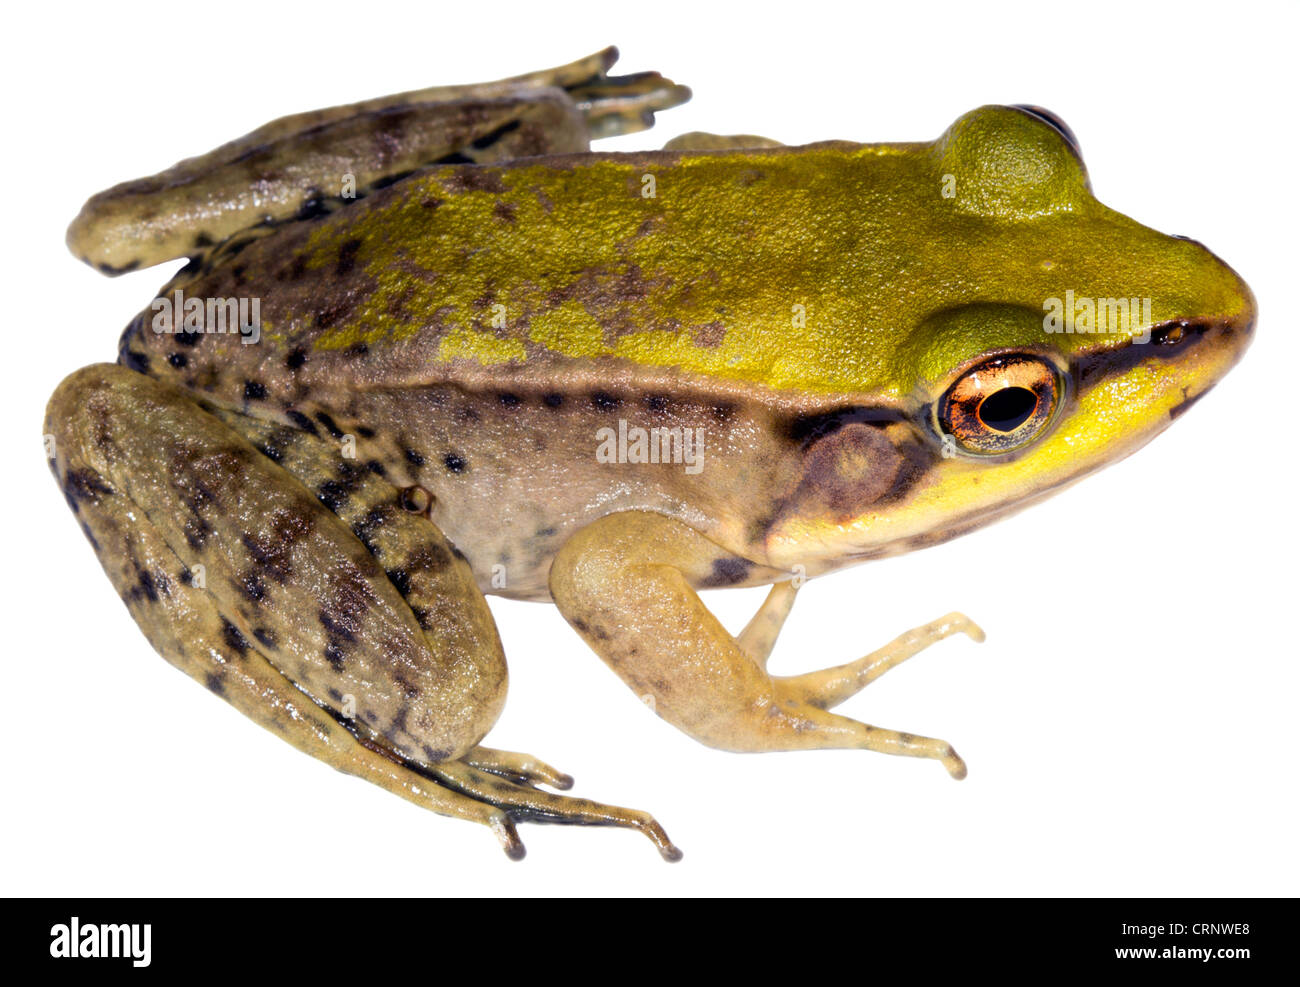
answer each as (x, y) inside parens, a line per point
(625, 583)
(246, 582)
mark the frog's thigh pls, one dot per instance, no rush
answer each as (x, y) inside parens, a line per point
(625, 583)
(244, 581)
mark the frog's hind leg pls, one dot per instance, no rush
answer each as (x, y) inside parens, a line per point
(246, 582)
(626, 582)
(310, 164)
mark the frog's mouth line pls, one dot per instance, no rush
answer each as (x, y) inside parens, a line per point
(1169, 341)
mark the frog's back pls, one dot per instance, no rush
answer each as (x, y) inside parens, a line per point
(575, 271)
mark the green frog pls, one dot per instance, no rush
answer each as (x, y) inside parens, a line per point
(431, 346)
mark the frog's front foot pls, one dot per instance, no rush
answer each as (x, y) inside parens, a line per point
(623, 579)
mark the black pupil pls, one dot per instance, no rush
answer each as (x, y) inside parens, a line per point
(1008, 408)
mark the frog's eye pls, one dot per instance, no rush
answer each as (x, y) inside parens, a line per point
(1053, 121)
(1000, 405)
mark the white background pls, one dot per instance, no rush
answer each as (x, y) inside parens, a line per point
(1130, 723)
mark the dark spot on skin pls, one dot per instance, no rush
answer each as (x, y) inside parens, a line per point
(454, 463)
(253, 587)
(329, 424)
(376, 467)
(504, 211)
(656, 402)
(454, 158)
(365, 433)
(254, 391)
(347, 257)
(709, 336)
(431, 202)
(188, 337)
(475, 180)
(602, 401)
(147, 587)
(547, 532)
(136, 361)
(367, 526)
(178, 360)
(724, 412)
(459, 554)
(436, 755)
(580, 625)
(313, 207)
(423, 618)
(356, 350)
(333, 495)
(197, 531)
(398, 723)
(302, 421)
(553, 400)
(113, 272)
(348, 601)
(264, 636)
(202, 241)
(213, 680)
(296, 358)
(85, 485)
(234, 640)
(507, 400)
(488, 139)
(414, 458)
(728, 571)
(400, 579)
(272, 552)
(296, 269)
(271, 452)
(186, 577)
(333, 313)
(334, 655)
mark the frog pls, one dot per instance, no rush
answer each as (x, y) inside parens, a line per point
(479, 358)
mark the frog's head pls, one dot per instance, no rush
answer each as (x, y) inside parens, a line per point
(1052, 336)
